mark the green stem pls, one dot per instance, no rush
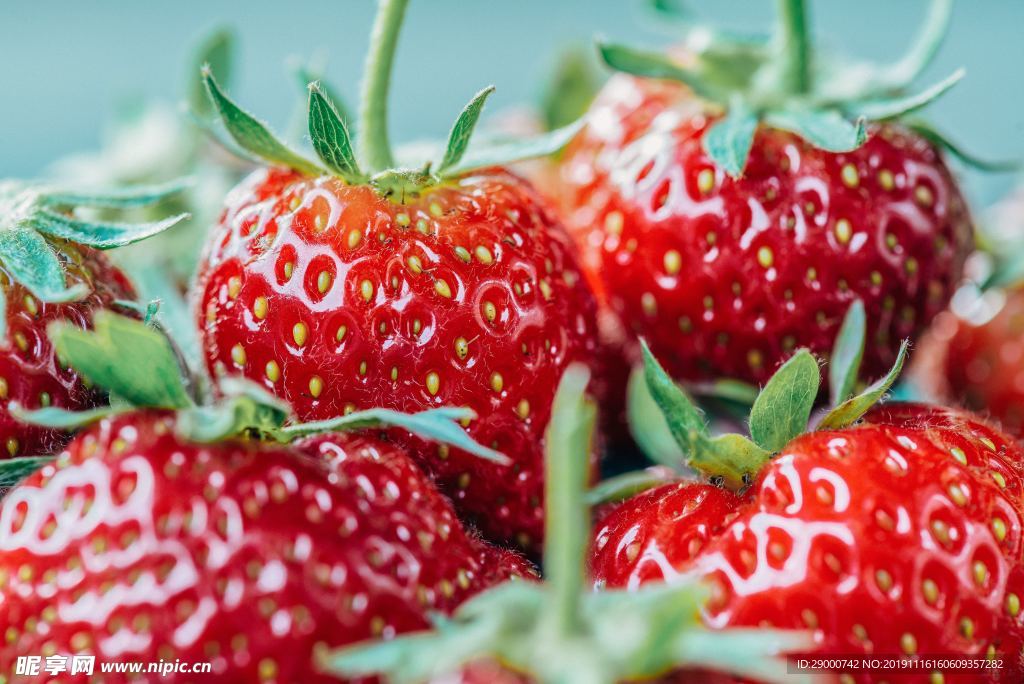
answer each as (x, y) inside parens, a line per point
(796, 48)
(374, 147)
(567, 516)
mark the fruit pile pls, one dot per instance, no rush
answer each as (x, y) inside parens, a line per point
(523, 409)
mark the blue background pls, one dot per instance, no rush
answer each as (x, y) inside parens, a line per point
(65, 65)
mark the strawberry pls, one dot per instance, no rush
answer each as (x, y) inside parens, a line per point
(556, 630)
(899, 535)
(187, 543)
(730, 211)
(51, 269)
(338, 288)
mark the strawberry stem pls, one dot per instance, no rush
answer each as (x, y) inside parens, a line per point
(374, 146)
(796, 48)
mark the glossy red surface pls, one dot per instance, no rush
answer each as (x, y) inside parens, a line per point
(29, 371)
(136, 547)
(903, 534)
(336, 299)
(725, 277)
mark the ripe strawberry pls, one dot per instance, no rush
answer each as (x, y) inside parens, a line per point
(734, 219)
(186, 542)
(556, 630)
(406, 288)
(897, 536)
(228, 553)
(51, 269)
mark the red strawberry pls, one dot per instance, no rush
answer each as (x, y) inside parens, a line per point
(900, 535)
(48, 272)
(727, 225)
(405, 288)
(979, 365)
(138, 545)
(186, 542)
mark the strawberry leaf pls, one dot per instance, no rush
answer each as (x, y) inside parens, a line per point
(922, 49)
(685, 421)
(628, 485)
(728, 141)
(852, 409)
(14, 470)
(31, 261)
(330, 137)
(214, 51)
(844, 363)
(309, 71)
(499, 154)
(891, 108)
(440, 425)
(824, 128)
(253, 136)
(118, 198)
(126, 357)
(939, 139)
(572, 88)
(730, 459)
(654, 65)
(101, 235)
(462, 130)
(246, 408)
(783, 407)
(62, 419)
(647, 424)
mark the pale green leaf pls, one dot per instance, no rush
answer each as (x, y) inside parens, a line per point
(685, 421)
(31, 261)
(825, 129)
(852, 409)
(891, 108)
(462, 130)
(729, 139)
(570, 91)
(500, 154)
(650, 64)
(647, 423)
(14, 470)
(215, 50)
(116, 198)
(847, 352)
(783, 407)
(253, 136)
(61, 418)
(940, 140)
(99, 234)
(628, 485)
(330, 137)
(126, 357)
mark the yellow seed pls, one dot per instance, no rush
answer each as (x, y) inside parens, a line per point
(765, 257)
(300, 333)
(705, 181)
(988, 443)
(323, 281)
(673, 262)
(442, 288)
(402, 220)
(316, 386)
(273, 371)
(267, 669)
(876, 278)
(319, 222)
(884, 580)
(545, 288)
(959, 455)
(416, 326)
(923, 195)
(999, 529)
(908, 643)
(956, 493)
(463, 254)
(910, 266)
(523, 408)
(999, 479)
(435, 209)
(980, 572)
(461, 347)
(484, 255)
(930, 590)
(613, 223)
(497, 382)
(1013, 605)
(354, 238)
(967, 628)
(234, 286)
(340, 335)
(850, 176)
(362, 367)
(886, 179)
(366, 290)
(422, 226)
(259, 308)
(433, 382)
(844, 231)
(755, 358)
(936, 678)
(394, 373)
(649, 304)
(238, 355)
(4, 388)
(415, 265)
(490, 311)
(289, 267)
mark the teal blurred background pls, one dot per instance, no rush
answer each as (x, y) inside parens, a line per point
(65, 66)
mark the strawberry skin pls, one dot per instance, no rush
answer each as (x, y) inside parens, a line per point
(979, 365)
(138, 546)
(335, 299)
(901, 535)
(30, 373)
(725, 277)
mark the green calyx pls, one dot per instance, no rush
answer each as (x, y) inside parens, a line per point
(35, 217)
(780, 412)
(781, 82)
(369, 159)
(558, 631)
(140, 368)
